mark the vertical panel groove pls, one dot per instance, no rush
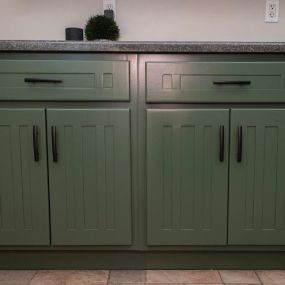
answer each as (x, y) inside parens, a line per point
(83, 186)
(109, 177)
(263, 175)
(102, 176)
(207, 176)
(14, 226)
(68, 142)
(250, 179)
(25, 170)
(270, 169)
(8, 216)
(188, 177)
(176, 190)
(90, 177)
(167, 177)
(276, 180)
(21, 195)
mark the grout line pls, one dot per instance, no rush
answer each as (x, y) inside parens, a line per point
(220, 276)
(109, 276)
(37, 271)
(145, 275)
(255, 271)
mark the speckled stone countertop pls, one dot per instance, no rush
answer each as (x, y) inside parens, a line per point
(142, 47)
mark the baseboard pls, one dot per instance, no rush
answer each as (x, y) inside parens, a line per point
(140, 260)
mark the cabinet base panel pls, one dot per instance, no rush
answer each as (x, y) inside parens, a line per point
(140, 260)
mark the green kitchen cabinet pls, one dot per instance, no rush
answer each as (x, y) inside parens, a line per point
(209, 82)
(24, 214)
(64, 80)
(257, 177)
(90, 176)
(187, 176)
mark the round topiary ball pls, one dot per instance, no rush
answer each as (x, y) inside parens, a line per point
(101, 27)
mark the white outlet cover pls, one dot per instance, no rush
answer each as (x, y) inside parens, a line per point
(110, 5)
(272, 11)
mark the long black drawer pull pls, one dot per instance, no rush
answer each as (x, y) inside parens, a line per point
(222, 143)
(54, 144)
(243, 82)
(239, 147)
(36, 143)
(42, 80)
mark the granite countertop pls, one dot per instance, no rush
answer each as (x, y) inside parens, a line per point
(142, 47)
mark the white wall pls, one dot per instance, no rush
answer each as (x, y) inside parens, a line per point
(181, 20)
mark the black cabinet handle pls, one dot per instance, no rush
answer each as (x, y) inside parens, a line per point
(239, 147)
(54, 144)
(42, 80)
(242, 82)
(222, 143)
(36, 143)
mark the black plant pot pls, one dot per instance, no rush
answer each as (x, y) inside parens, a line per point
(74, 34)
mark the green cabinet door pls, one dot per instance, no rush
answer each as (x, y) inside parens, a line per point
(257, 181)
(24, 214)
(187, 177)
(90, 176)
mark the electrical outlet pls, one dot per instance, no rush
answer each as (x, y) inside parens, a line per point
(109, 5)
(272, 11)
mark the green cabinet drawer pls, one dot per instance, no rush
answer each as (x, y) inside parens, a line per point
(187, 180)
(24, 213)
(90, 181)
(215, 82)
(59, 80)
(257, 182)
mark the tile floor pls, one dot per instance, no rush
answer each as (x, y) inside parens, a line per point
(139, 277)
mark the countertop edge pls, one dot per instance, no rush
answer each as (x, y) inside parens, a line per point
(141, 47)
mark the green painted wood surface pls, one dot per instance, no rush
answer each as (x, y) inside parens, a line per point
(186, 182)
(257, 184)
(24, 214)
(81, 80)
(100, 256)
(184, 81)
(90, 185)
(132, 260)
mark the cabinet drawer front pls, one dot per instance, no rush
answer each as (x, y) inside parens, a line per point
(215, 82)
(64, 80)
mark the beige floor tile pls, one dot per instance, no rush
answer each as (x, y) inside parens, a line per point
(16, 277)
(199, 284)
(183, 276)
(162, 284)
(272, 277)
(239, 277)
(127, 276)
(71, 277)
(153, 284)
(238, 283)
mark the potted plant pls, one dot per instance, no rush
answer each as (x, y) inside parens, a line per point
(101, 27)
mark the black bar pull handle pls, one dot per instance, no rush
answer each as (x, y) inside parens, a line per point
(36, 143)
(222, 143)
(239, 147)
(54, 144)
(42, 80)
(237, 82)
